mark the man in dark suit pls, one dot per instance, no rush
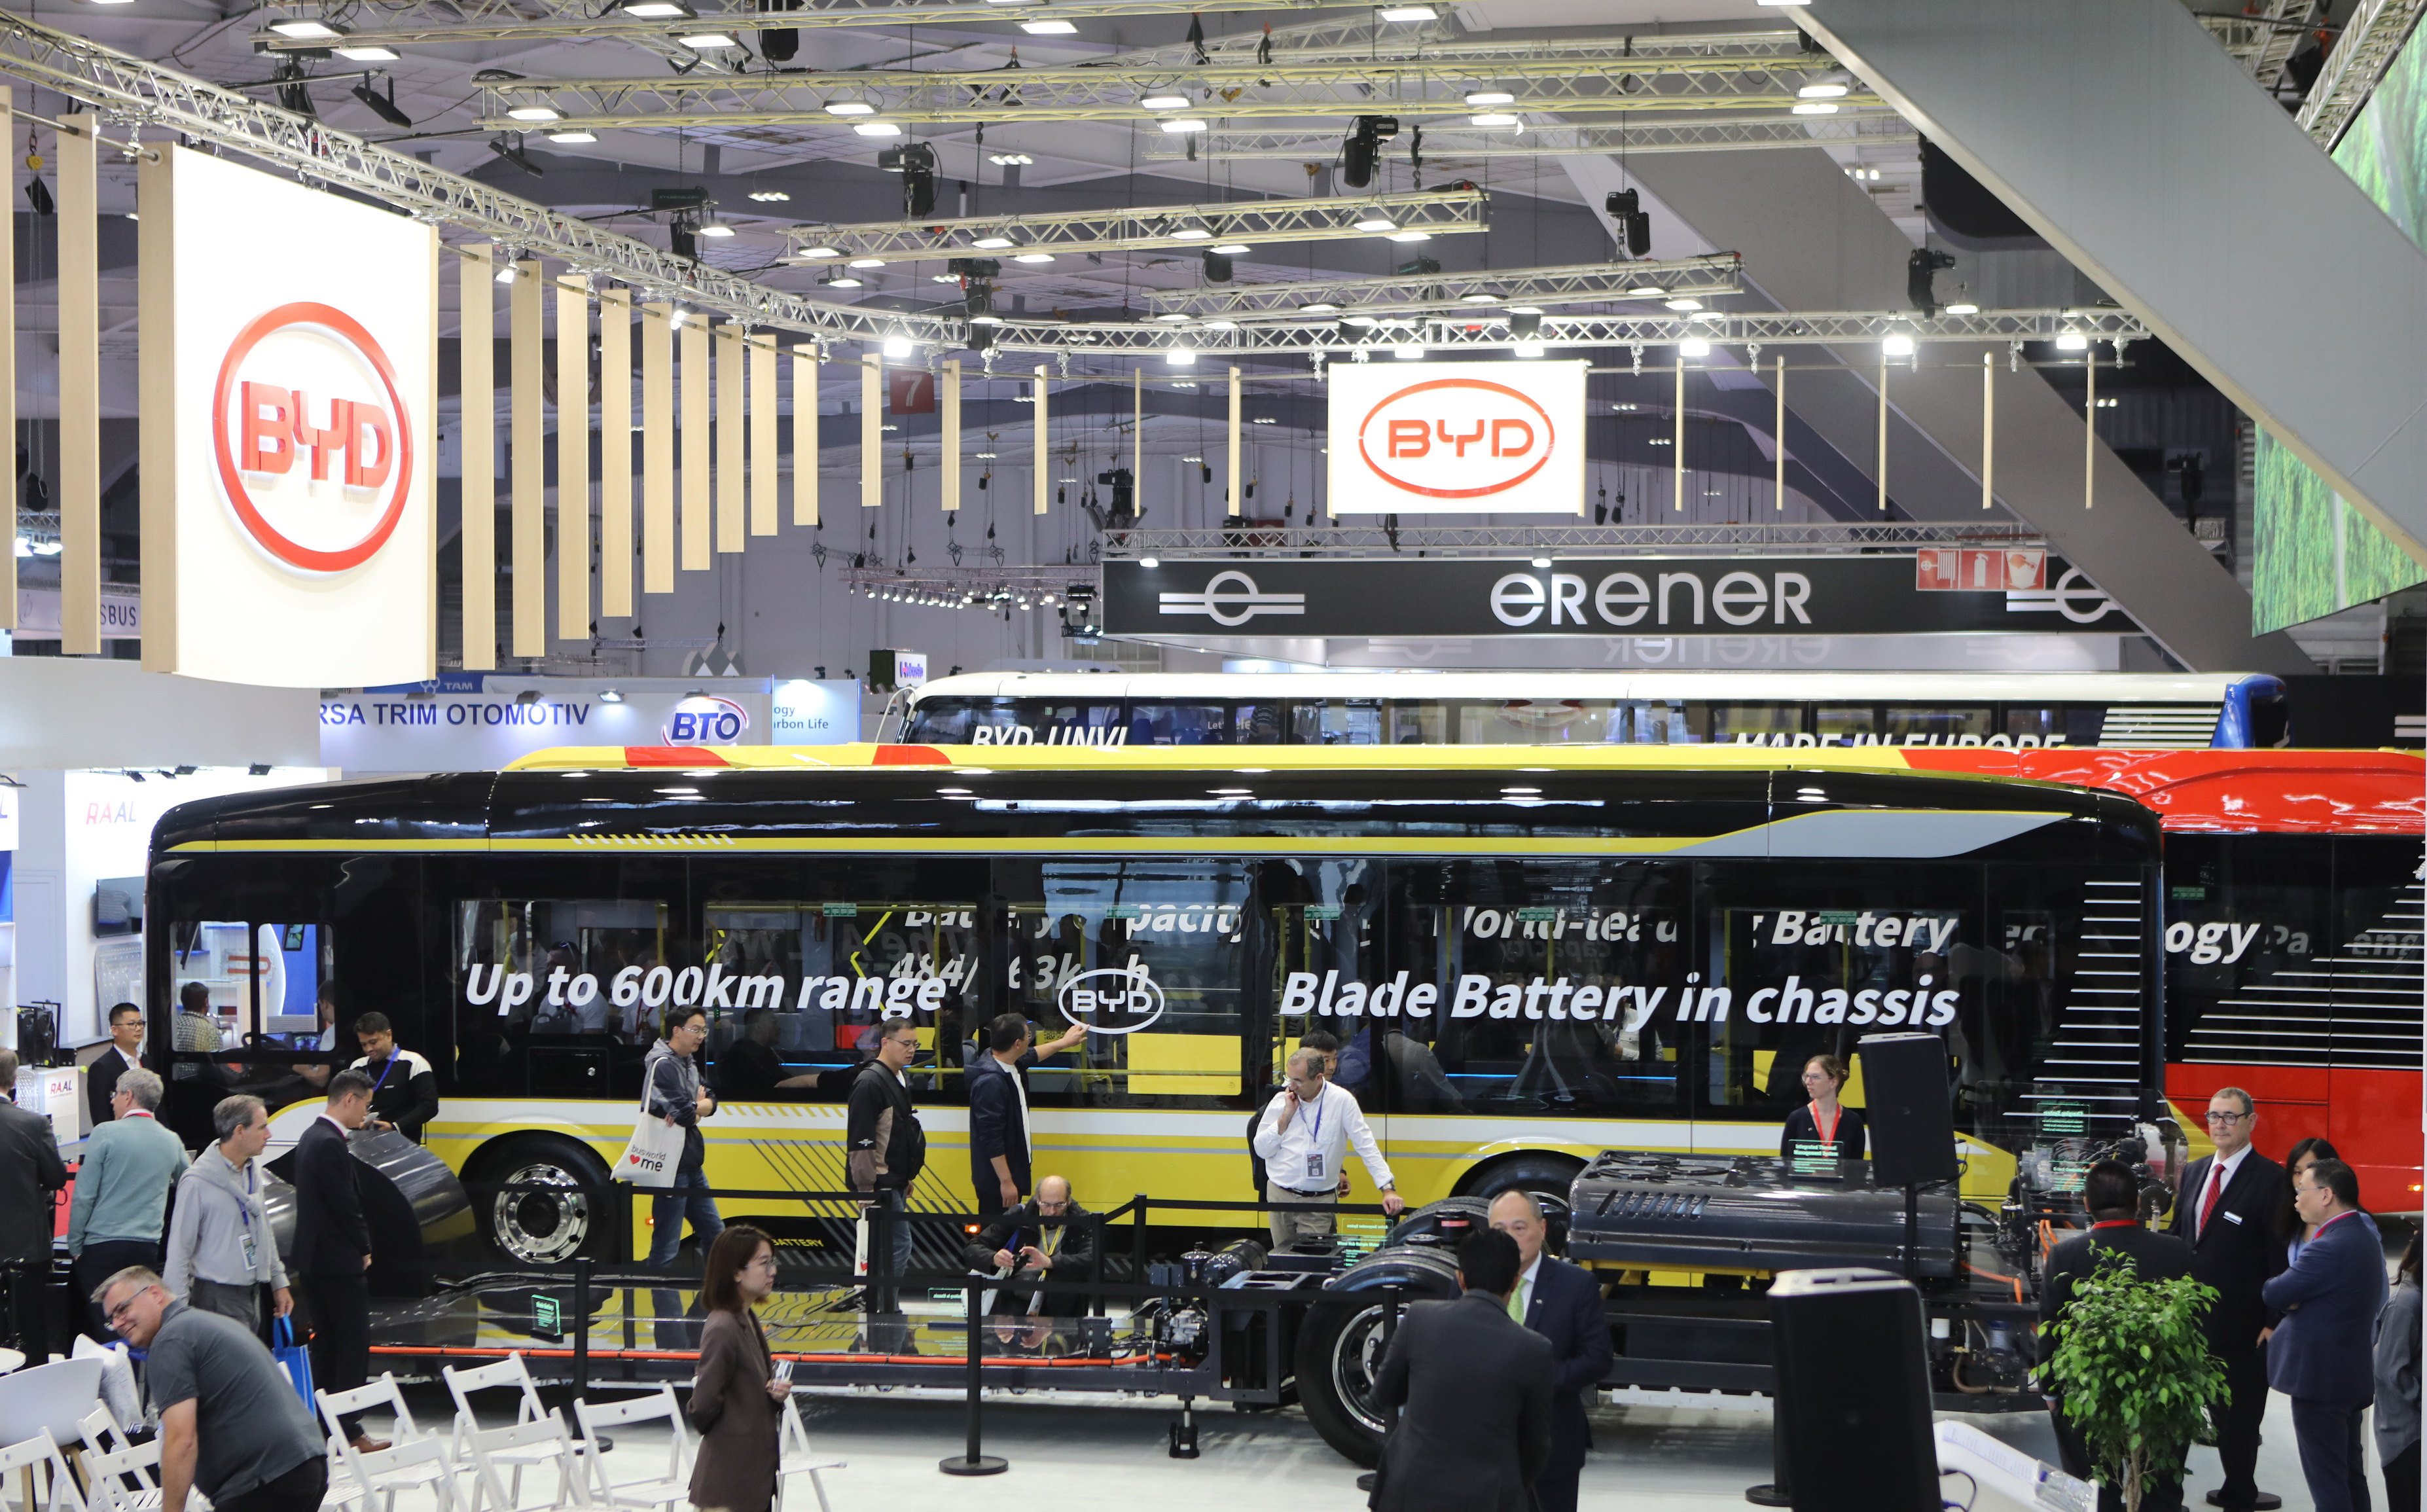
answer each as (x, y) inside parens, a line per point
(2112, 1195)
(1000, 1147)
(1046, 1237)
(332, 1245)
(1474, 1387)
(124, 1054)
(1562, 1303)
(2227, 1210)
(2322, 1355)
(31, 1174)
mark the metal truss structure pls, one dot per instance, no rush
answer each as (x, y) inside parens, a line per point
(1570, 77)
(1450, 144)
(431, 22)
(1475, 293)
(2358, 59)
(2264, 35)
(143, 95)
(1358, 540)
(1335, 340)
(982, 588)
(1413, 213)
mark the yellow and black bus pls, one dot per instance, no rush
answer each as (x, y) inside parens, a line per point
(1528, 955)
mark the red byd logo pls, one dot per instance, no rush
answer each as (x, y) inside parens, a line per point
(322, 498)
(1462, 437)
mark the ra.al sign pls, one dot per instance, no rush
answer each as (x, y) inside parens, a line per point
(1458, 438)
(289, 446)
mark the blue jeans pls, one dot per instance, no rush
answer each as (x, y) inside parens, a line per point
(2331, 1458)
(686, 1198)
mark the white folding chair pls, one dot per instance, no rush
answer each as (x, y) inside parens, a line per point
(797, 1459)
(101, 1433)
(510, 1373)
(105, 1488)
(412, 1460)
(644, 1491)
(497, 1451)
(44, 1450)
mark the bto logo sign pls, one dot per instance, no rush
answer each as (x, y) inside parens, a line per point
(1478, 438)
(313, 439)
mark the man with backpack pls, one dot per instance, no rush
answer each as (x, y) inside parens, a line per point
(884, 1146)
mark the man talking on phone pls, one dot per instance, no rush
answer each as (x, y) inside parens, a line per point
(1306, 1130)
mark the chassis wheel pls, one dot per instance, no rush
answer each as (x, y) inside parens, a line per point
(1338, 1354)
(542, 1228)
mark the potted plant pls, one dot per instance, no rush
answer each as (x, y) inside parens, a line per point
(2129, 1360)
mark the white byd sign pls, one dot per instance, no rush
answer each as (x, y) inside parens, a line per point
(298, 392)
(1458, 438)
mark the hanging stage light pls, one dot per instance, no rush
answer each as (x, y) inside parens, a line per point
(1217, 268)
(1920, 270)
(1358, 154)
(1634, 222)
(917, 180)
(382, 107)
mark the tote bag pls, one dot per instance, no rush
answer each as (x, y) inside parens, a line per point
(294, 1361)
(655, 1150)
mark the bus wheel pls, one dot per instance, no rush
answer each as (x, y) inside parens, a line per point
(1546, 1177)
(1339, 1353)
(545, 1226)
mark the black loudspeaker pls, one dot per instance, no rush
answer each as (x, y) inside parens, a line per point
(1852, 1393)
(1909, 1114)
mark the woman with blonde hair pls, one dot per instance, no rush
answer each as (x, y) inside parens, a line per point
(736, 1404)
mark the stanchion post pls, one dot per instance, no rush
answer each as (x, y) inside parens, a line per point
(1137, 1240)
(971, 1461)
(581, 1328)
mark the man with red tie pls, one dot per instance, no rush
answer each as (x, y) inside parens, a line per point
(2225, 1209)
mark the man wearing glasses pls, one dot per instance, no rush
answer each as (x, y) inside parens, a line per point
(2225, 1209)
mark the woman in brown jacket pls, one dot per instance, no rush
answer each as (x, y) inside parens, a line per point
(736, 1403)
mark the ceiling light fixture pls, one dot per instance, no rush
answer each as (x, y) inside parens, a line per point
(1533, 310)
(1478, 297)
(507, 272)
(1406, 14)
(1319, 307)
(1482, 99)
(850, 107)
(1181, 356)
(657, 10)
(897, 346)
(1408, 236)
(305, 30)
(1495, 117)
(1166, 100)
(877, 128)
(2071, 341)
(1183, 126)
(812, 254)
(573, 137)
(1032, 257)
(1647, 291)
(842, 281)
(706, 41)
(535, 112)
(1049, 28)
(868, 262)
(1683, 302)
(1230, 248)
(1221, 325)
(715, 228)
(1374, 221)
(369, 53)
(1815, 107)
(770, 196)
(1898, 345)
(1528, 349)
(991, 241)
(1693, 347)
(1822, 90)
(1010, 159)
(1409, 352)
(1964, 307)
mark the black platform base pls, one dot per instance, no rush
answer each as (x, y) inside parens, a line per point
(982, 1465)
(2268, 1501)
(1767, 1495)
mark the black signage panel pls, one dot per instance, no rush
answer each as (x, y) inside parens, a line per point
(1618, 596)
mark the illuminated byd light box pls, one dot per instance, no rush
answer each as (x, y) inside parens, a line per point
(290, 400)
(1458, 438)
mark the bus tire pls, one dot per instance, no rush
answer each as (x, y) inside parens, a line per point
(1339, 1350)
(540, 1228)
(1547, 1177)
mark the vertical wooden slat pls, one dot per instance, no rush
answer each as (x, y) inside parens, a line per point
(615, 452)
(527, 468)
(805, 435)
(732, 526)
(572, 458)
(765, 467)
(1230, 484)
(476, 350)
(155, 326)
(657, 450)
(698, 528)
(948, 416)
(79, 219)
(871, 431)
(1044, 450)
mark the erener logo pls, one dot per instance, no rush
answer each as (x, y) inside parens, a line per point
(1455, 438)
(312, 436)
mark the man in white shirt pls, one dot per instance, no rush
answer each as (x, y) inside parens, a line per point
(1304, 1134)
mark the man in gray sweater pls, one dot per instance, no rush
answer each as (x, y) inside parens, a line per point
(222, 1257)
(122, 1189)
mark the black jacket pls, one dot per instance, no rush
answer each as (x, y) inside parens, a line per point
(885, 1147)
(331, 1234)
(1566, 1310)
(1075, 1260)
(995, 1126)
(2156, 1257)
(1474, 1428)
(101, 1083)
(1801, 1125)
(2240, 1251)
(31, 1173)
(405, 1091)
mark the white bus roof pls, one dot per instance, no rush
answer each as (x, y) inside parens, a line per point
(1880, 686)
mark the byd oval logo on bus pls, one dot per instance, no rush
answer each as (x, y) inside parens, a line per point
(706, 720)
(320, 496)
(1110, 1000)
(1455, 438)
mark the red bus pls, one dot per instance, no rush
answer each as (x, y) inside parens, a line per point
(2293, 936)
